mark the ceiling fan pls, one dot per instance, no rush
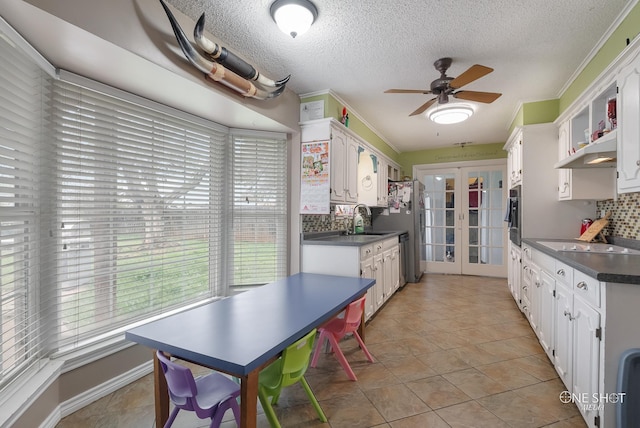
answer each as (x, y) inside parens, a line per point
(445, 86)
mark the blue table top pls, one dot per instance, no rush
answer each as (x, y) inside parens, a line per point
(239, 334)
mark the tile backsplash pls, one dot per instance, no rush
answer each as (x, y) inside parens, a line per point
(328, 222)
(625, 216)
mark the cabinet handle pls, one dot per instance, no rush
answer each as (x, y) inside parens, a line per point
(538, 284)
(568, 314)
(524, 288)
(582, 285)
(560, 272)
(638, 163)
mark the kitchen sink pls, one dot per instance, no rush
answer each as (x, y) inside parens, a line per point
(349, 238)
(587, 247)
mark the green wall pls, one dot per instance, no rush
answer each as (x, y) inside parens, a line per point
(332, 108)
(451, 154)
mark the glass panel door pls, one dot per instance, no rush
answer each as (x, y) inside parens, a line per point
(464, 228)
(441, 231)
(483, 224)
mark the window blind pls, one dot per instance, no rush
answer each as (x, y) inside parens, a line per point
(23, 95)
(258, 241)
(138, 207)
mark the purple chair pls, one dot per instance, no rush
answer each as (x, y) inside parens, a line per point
(209, 396)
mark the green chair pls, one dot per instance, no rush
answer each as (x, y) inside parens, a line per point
(287, 370)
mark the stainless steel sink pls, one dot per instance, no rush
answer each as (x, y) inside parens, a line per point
(349, 238)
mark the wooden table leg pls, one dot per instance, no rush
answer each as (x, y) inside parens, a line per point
(361, 328)
(161, 392)
(249, 400)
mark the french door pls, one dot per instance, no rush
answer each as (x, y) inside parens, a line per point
(465, 232)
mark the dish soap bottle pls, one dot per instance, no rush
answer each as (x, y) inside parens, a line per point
(358, 224)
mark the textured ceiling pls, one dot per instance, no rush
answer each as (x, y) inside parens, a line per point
(360, 48)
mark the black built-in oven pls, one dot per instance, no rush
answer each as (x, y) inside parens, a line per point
(515, 215)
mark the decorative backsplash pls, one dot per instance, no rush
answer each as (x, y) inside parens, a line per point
(324, 222)
(625, 216)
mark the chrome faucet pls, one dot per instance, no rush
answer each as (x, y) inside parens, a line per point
(355, 211)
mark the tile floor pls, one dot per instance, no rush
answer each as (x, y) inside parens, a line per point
(451, 351)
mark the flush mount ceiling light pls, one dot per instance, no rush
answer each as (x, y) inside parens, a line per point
(449, 114)
(294, 17)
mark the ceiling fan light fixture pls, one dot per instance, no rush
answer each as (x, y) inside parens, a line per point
(450, 114)
(293, 17)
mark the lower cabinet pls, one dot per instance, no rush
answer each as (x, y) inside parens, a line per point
(379, 260)
(384, 257)
(563, 309)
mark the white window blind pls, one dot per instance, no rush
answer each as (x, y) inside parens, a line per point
(258, 241)
(114, 209)
(138, 203)
(23, 95)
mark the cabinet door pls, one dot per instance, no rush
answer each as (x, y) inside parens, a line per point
(545, 325)
(351, 171)
(383, 187)
(387, 272)
(628, 162)
(563, 337)
(338, 150)
(564, 174)
(366, 271)
(395, 268)
(378, 272)
(534, 297)
(514, 273)
(586, 352)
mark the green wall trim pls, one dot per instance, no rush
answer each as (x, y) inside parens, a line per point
(332, 108)
(451, 154)
(615, 44)
(540, 112)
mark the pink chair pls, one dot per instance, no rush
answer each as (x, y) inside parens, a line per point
(335, 329)
(208, 396)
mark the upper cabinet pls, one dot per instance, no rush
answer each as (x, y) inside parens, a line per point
(599, 135)
(358, 172)
(629, 128)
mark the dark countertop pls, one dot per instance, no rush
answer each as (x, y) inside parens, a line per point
(339, 238)
(620, 268)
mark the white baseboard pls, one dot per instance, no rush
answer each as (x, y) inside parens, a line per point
(84, 399)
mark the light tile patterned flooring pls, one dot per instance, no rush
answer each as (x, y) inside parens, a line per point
(451, 351)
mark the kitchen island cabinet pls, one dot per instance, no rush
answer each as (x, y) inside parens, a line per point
(377, 258)
(588, 312)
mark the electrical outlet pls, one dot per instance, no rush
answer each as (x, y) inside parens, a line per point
(602, 213)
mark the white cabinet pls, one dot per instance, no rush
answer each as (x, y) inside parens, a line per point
(395, 268)
(586, 351)
(383, 179)
(379, 260)
(343, 168)
(628, 164)
(567, 321)
(546, 326)
(514, 273)
(514, 159)
(358, 172)
(563, 334)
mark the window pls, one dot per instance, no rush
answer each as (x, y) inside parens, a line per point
(258, 240)
(115, 209)
(23, 89)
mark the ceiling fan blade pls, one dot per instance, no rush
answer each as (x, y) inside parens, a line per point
(424, 107)
(481, 97)
(407, 91)
(474, 72)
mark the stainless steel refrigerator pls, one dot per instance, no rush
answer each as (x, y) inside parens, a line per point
(405, 212)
